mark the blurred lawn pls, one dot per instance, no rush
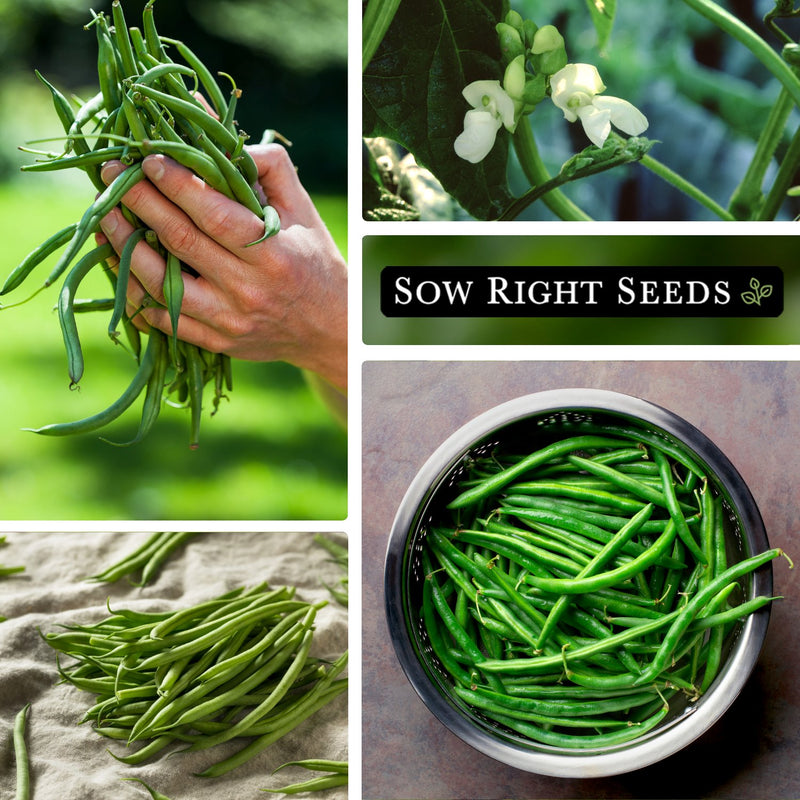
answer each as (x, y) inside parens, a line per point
(272, 452)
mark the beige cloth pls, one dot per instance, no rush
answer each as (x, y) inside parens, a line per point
(71, 762)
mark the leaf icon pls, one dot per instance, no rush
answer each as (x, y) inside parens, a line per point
(750, 298)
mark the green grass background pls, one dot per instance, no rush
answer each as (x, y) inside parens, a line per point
(272, 452)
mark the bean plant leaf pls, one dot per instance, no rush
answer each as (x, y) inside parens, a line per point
(412, 93)
(602, 13)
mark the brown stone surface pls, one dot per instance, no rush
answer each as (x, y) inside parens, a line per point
(751, 410)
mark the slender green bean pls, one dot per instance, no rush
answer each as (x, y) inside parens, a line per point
(21, 755)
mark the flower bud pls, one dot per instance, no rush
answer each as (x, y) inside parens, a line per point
(514, 78)
(514, 19)
(549, 52)
(546, 39)
(511, 44)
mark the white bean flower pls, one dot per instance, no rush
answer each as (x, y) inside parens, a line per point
(492, 108)
(576, 90)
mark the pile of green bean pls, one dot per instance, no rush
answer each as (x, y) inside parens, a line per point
(572, 593)
(234, 667)
(147, 103)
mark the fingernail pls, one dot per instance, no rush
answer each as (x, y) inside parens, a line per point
(110, 171)
(153, 167)
(109, 223)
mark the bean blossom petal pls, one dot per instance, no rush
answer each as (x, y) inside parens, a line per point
(596, 123)
(490, 96)
(575, 86)
(624, 115)
(477, 138)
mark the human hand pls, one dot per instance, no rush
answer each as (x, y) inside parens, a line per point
(282, 299)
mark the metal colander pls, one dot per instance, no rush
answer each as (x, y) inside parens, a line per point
(520, 427)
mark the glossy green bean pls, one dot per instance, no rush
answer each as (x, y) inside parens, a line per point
(173, 288)
(584, 741)
(195, 114)
(66, 314)
(115, 410)
(123, 275)
(207, 80)
(94, 157)
(36, 256)
(242, 190)
(506, 476)
(676, 514)
(686, 615)
(606, 555)
(90, 220)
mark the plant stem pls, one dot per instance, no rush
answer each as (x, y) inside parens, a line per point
(377, 18)
(733, 26)
(688, 188)
(783, 180)
(747, 197)
(536, 173)
(565, 176)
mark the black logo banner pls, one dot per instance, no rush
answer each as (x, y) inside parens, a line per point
(471, 291)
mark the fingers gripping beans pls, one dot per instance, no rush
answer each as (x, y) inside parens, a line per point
(577, 594)
(145, 104)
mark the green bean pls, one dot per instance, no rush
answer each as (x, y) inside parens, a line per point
(318, 764)
(151, 36)
(195, 381)
(594, 566)
(155, 795)
(107, 64)
(21, 754)
(66, 314)
(172, 288)
(541, 734)
(35, 257)
(241, 189)
(123, 274)
(579, 492)
(299, 713)
(630, 483)
(556, 710)
(92, 216)
(63, 111)
(160, 70)
(91, 158)
(668, 490)
(115, 410)
(134, 122)
(501, 479)
(132, 562)
(280, 691)
(652, 438)
(690, 610)
(318, 784)
(123, 41)
(195, 114)
(207, 80)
